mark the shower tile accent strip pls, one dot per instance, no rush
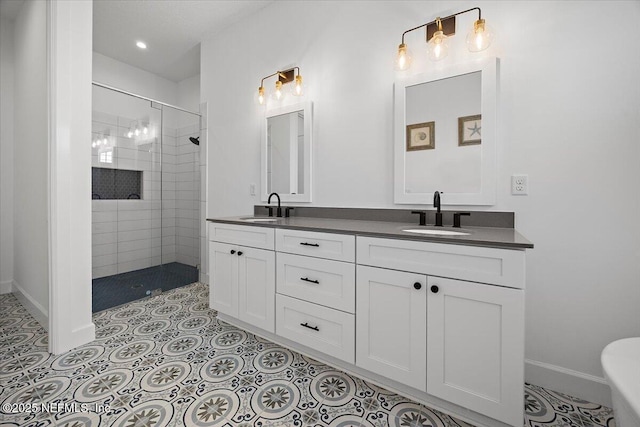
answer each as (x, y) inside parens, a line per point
(168, 360)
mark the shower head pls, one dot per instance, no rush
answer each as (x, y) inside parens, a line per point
(195, 140)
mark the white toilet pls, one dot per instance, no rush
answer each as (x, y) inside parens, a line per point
(621, 365)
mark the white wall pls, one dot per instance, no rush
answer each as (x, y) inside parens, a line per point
(569, 107)
(70, 32)
(6, 155)
(31, 180)
(189, 94)
(132, 79)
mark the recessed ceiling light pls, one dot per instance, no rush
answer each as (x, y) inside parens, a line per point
(141, 45)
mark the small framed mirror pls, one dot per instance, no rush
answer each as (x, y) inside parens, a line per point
(286, 153)
(445, 135)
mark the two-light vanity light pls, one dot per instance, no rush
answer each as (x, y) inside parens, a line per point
(291, 75)
(478, 39)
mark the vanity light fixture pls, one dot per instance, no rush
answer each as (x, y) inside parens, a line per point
(437, 31)
(291, 75)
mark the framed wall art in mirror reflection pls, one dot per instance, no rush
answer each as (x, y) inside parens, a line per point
(421, 136)
(470, 130)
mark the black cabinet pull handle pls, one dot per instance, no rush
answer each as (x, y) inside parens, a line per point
(306, 279)
(417, 285)
(233, 251)
(435, 289)
(239, 253)
(306, 325)
(310, 244)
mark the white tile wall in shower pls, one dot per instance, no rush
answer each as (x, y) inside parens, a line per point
(165, 226)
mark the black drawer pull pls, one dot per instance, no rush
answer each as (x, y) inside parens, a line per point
(310, 244)
(232, 252)
(239, 253)
(306, 279)
(306, 325)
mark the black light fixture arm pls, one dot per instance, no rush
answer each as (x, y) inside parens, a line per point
(442, 19)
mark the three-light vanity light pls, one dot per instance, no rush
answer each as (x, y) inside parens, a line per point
(291, 75)
(438, 31)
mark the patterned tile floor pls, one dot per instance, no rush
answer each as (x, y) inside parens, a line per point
(168, 361)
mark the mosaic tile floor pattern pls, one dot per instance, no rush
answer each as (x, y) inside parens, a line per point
(168, 361)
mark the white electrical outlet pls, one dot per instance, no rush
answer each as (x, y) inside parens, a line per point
(520, 185)
(252, 189)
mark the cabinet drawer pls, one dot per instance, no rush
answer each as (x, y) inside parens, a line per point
(340, 247)
(243, 235)
(321, 328)
(486, 265)
(321, 281)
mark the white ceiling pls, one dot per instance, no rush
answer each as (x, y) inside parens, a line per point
(172, 29)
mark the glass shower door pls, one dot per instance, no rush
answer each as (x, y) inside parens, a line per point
(127, 196)
(181, 206)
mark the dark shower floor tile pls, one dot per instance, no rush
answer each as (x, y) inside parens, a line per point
(119, 289)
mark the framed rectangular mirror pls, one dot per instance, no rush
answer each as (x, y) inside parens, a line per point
(445, 135)
(286, 153)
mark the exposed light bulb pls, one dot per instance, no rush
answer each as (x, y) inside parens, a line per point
(403, 58)
(129, 134)
(93, 144)
(438, 46)
(278, 92)
(261, 97)
(145, 130)
(479, 37)
(137, 132)
(298, 88)
(105, 141)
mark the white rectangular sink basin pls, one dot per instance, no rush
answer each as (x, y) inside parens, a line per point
(252, 219)
(437, 232)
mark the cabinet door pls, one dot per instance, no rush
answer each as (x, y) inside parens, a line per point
(223, 279)
(391, 324)
(475, 349)
(257, 285)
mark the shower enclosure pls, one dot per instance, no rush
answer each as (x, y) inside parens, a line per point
(146, 207)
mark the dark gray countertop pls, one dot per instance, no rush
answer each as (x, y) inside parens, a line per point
(493, 237)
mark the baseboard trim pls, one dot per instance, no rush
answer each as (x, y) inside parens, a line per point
(6, 287)
(76, 338)
(578, 384)
(34, 308)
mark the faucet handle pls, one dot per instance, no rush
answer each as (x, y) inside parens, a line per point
(423, 216)
(270, 211)
(287, 209)
(456, 218)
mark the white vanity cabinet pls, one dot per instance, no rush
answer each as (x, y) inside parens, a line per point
(242, 278)
(469, 343)
(441, 323)
(391, 324)
(316, 291)
(475, 342)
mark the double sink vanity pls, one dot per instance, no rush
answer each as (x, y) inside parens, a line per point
(435, 313)
(438, 317)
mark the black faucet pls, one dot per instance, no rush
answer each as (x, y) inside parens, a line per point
(436, 204)
(279, 211)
